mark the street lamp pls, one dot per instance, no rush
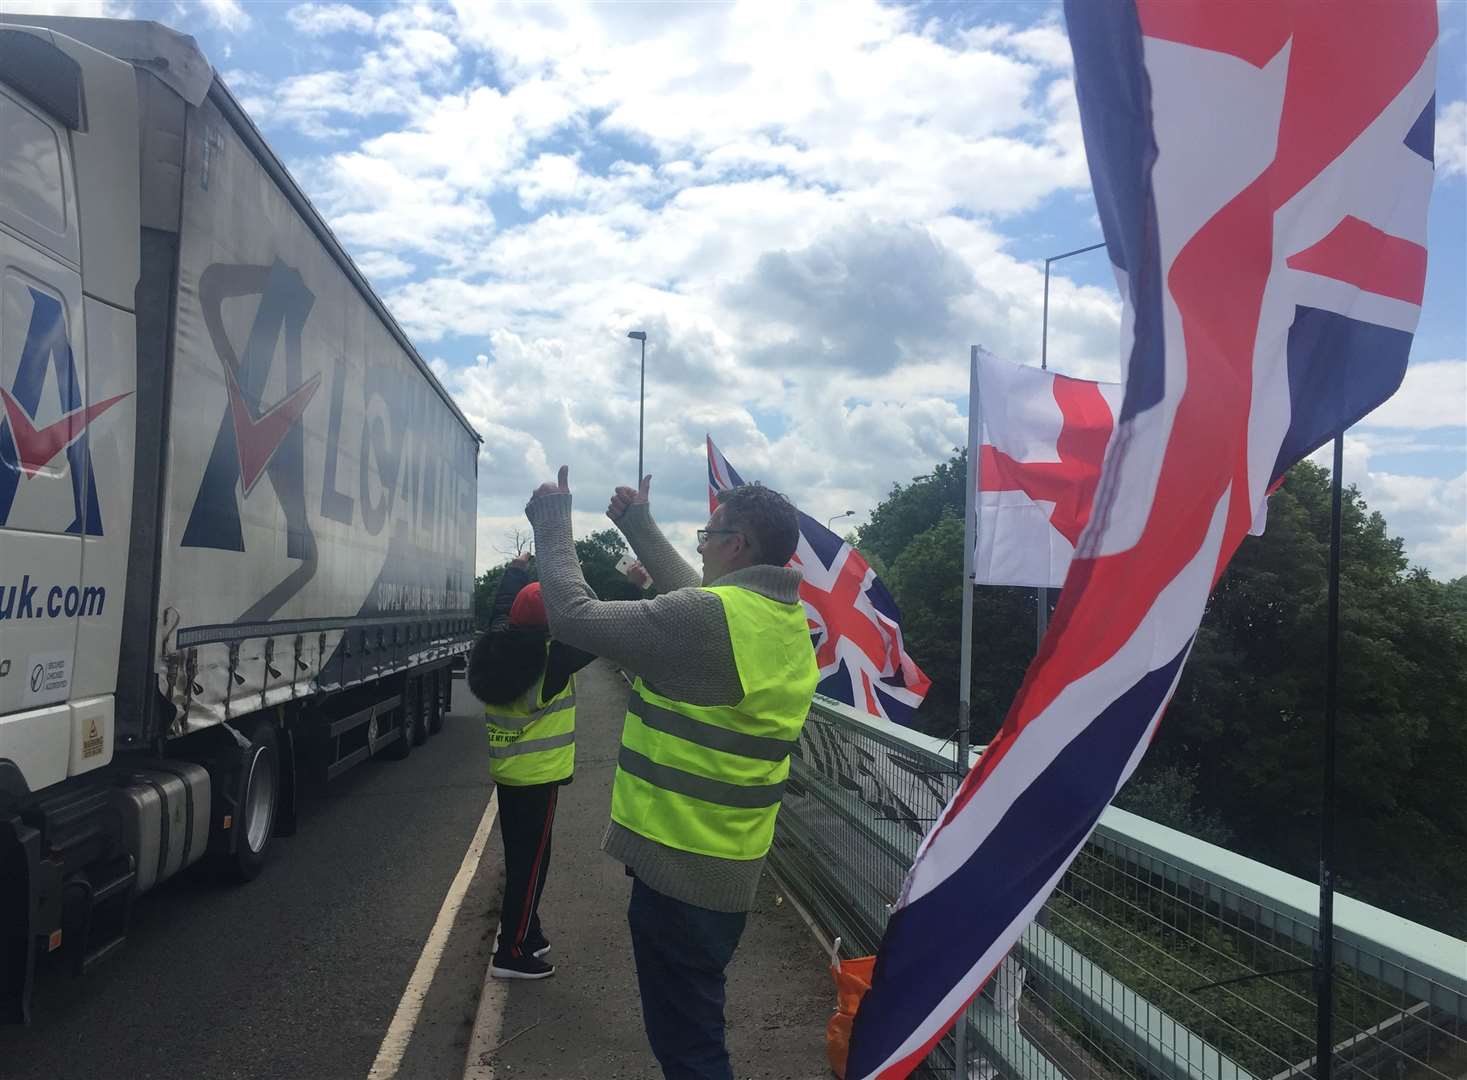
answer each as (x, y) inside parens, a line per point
(641, 335)
(1044, 340)
(1042, 622)
(848, 513)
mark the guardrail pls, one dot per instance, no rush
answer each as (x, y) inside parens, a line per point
(1158, 956)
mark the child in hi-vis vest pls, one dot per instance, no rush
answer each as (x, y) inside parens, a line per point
(527, 684)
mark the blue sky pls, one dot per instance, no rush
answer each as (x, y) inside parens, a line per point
(812, 210)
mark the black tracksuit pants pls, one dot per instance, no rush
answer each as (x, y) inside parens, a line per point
(526, 820)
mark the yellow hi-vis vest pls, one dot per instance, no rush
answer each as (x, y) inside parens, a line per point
(709, 779)
(540, 751)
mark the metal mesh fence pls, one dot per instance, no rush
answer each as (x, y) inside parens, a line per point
(1143, 963)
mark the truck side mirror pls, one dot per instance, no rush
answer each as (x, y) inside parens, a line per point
(45, 75)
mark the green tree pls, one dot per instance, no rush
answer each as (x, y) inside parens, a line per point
(926, 581)
(1248, 714)
(1168, 794)
(599, 553)
(914, 541)
(1238, 757)
(486, 586)
(910, 510)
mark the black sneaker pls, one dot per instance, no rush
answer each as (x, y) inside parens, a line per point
(525, 967)
(537, 945)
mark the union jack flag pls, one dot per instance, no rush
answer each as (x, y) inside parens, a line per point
(1262, 173)
(854, 622)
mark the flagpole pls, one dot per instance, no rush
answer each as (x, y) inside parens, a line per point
(965, 663)
(1041, 595)
(1324, 976)
(970, 539)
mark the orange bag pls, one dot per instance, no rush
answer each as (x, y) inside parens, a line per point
(852, 980)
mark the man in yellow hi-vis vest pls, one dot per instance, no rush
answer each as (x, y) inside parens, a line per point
(725, 675)
(527, 683)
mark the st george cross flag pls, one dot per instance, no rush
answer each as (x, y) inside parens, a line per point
(1262, 173)
(854, 622)
(1041, 444)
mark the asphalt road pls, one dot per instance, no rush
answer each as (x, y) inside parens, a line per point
(298, 973)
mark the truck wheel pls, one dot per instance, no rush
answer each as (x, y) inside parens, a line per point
(259, 794)
(433, 685)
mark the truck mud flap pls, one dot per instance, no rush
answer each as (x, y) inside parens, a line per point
(20, 872)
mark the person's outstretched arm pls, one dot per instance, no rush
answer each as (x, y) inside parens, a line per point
(678, 641)
(631, 512)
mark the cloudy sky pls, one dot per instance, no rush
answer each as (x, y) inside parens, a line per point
(812, 211)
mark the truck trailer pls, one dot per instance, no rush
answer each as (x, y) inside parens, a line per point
(237, 509)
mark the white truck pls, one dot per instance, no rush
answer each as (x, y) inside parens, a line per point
(237, 510)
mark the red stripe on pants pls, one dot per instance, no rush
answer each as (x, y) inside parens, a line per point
(537, 869)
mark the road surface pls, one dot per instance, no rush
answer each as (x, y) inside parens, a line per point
(300, 973)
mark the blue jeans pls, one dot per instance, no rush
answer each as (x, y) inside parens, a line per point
(681, 953)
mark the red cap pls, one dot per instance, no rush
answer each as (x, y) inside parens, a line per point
(528, 608)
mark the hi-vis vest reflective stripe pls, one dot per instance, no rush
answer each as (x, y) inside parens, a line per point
(709, 779)
(540, 751)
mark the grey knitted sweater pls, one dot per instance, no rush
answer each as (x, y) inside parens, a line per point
(678, 642)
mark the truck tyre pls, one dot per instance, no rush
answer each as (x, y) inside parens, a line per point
(433, 693)
(259, 795)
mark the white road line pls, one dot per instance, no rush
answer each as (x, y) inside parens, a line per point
(488, 1026)
(395, 1043)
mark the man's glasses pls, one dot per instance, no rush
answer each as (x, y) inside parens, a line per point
(704, 534)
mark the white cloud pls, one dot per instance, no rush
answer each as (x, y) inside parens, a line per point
(1432, 395)
(1451, 139)
(91, 9)
(804, 207)
(383, 266)
(375, 206)
(414, 57)
(865, 298)
(323, 19)
(549, 177)
(852, 96)
(228, 15)
(1428, 512)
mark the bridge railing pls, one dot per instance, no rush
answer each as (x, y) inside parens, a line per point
(1159, 955)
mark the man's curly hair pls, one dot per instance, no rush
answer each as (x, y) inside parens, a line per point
(766, 518)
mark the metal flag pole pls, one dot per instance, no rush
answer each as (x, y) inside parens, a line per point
(970, 539)
(1041, 595)
(965, 663)
(1324, 972)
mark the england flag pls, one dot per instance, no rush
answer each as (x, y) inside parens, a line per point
(854, 622)
(1262, 173)
(1041, 443)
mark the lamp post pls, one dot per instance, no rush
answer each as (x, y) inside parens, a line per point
(830, 521)
(641, 335)
(1042, 621)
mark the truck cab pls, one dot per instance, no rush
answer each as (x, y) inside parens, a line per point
(68, 270)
